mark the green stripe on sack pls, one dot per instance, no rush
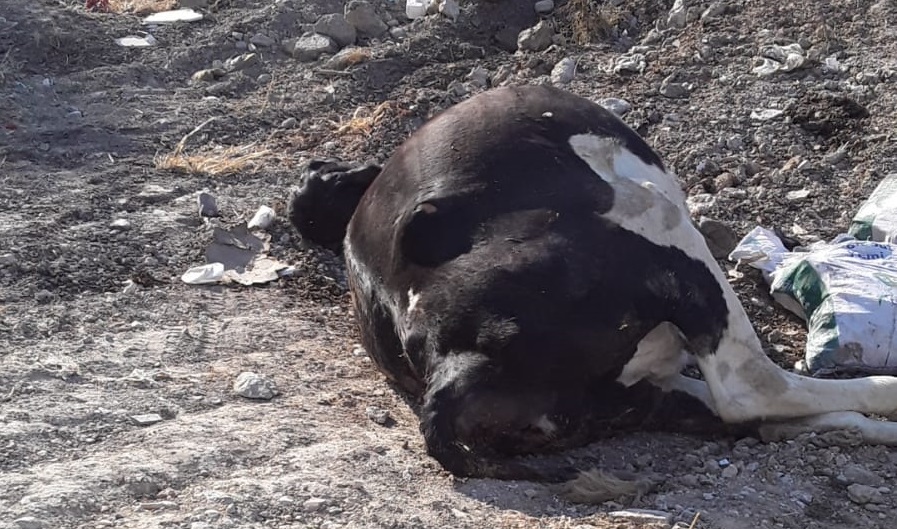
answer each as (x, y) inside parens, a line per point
(804, 284)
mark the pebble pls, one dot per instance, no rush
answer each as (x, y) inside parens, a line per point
(800, 194)
(618, 106)
(337, 28)
(241, 62)
(313, 504)
(7, 259)
(43, 296)
(363, 16)
(729, 472)
(398, 33)
(634, 63)
(120, 224)
(858, 474)
(208, 205)
(678, 15)
(716, 9)
(289, 123)
(536, 38)
(766, 114)
(564, 71)
(450, 9)
(378, 415)
(543, 7)
(310, 47)
(29, 522)
(863, 494)
(146, 419)
(643, 516)
(260, 39)
(205, 76)
(254, 386)
(200, 525)
(673, 90)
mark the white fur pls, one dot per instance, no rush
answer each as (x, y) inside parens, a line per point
(744, 383)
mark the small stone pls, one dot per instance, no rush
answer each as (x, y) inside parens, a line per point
(859, 474)
(673, 90)
(378, 415)
(241, 62)
(7, 259)
(635, 63)
(863, 494)
(479, 76)
(643, 516)
(208, 205)
(724, 181)
(337, 28)
(618, 106)
(43, 296)
(796, 196)
(310, 47)
(530, 493)
(766, 114)
(262, 40)
(205, 76)
(158, 505)
(120, 224)
(147, 419)
(729, 472)
(543, 7)
(398, 33)
(289, 123)
(200, 525)
(313, 504)
(363, 16)
(450, 9)
(707, 167)
(536, 38)
(678, 15)
(255, 386)
(564, 71)
(29, 522)
(716, 9)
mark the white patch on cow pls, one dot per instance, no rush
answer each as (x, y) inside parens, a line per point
(659, 356)
(744, 382)
(853, 424)
(413, 299)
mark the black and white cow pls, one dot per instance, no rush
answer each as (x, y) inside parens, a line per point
(527, 266)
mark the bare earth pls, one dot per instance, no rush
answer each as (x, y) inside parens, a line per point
(84, 127)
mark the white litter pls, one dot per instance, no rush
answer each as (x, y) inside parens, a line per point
(845, 290)
(170, 17)
(134, 41)
(262, 219)
(205, 274)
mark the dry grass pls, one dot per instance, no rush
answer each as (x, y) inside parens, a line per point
(591, 20)
(141, 7)
(364, 120)
(217, 162)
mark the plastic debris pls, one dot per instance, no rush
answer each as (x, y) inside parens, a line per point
(134, 41)
(171, 17)
(203, 275)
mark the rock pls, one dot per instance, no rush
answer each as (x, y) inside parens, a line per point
(43, 296)
(724, 181)
(193, 3)
(450, 9)
(255, 386)
(120, 224)
(206, 76)
(208, 206)
(147, 419)
(859, 474)
(699, 204)
(678, 16)
(29, 522)
(863, 494)
(378, 415)
(643, 516)
(337, 28)
(536, 38)
(618, 106)
(313, 504)
(730, 471)
(363, 16)
(673, 90)
(241, 62)
(263, 218)
(564, 71)
(634, 63)
(398, 33)
(800, 194)
(310, 47)
(766, 114)
(262, 40)
(479, 76)
(716, 9)
(289, 123)
(263, 78)
(543, 7)
(8, 259)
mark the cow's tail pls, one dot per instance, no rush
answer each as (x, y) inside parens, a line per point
(329, 191)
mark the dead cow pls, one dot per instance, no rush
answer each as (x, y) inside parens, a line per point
(527, 266)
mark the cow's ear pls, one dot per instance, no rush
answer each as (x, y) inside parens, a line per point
(363, 175)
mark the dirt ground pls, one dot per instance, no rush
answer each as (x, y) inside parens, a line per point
(98, 220)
